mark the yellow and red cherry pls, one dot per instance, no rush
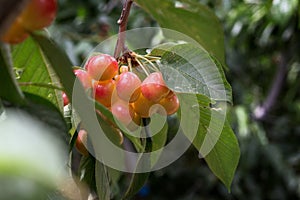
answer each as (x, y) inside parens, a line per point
(38, 14)
(81, 142)
(102, 67)
(103, 91)
(128, 87)
(154, 88)
(65, 99)
(170, 103)
(15, 34)
(84, 78)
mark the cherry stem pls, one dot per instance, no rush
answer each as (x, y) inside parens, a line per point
(120, 46)
(143, 68)
(129, 64)
(147, 61)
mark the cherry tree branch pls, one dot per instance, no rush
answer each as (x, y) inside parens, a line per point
(262, 111)
(285, 58)
(120, 46)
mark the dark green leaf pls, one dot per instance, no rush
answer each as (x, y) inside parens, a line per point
(190, 18)
(159, 50)
(32, 68)
(217, 143)
(59, 62)
(109, 129)
(87, 171)
(159, 140)
(9, 89)
(102, 181)
(190, 69)
(48, 113)
(137, 181)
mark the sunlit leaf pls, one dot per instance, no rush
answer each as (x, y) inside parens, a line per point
(102, 181)
(190, 69)
(32, 68)
(191, 18)
(216, 141)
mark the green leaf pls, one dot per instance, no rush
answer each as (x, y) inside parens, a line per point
(102, 181)
(137, 181)
(87, 171)
(159, 140)
(111, 132)
(190, 69)
(59, 61)
(32, 68)
(48, 113)
(193, 19)
(9, 89)
(216, 141)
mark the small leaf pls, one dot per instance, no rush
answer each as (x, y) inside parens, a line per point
(9, 90)
(87, 171)
(138, 180)
(48, 113)
(191, 18)
(159, 140)
(59, 61)
(102, 181)
(111, 132)
(217, 143)
(31, 67)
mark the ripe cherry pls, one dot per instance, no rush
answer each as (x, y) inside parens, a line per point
(65, 99)
(102, 67)
(38, 14)
(128, 87)
(15, 34)
(81, 142)
(154, 88)
(144, 107)
(103, 91)
(84, 78)
(170, 103)
(125, 113)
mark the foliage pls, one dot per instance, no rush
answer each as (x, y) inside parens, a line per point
(259, 37)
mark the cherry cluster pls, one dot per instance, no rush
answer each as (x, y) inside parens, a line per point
(119, 89)
(124, 93)
(36, 15)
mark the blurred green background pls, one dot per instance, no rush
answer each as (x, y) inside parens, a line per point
(262, 40)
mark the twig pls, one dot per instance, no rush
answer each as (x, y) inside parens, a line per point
(262, 111)
(120, 46)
